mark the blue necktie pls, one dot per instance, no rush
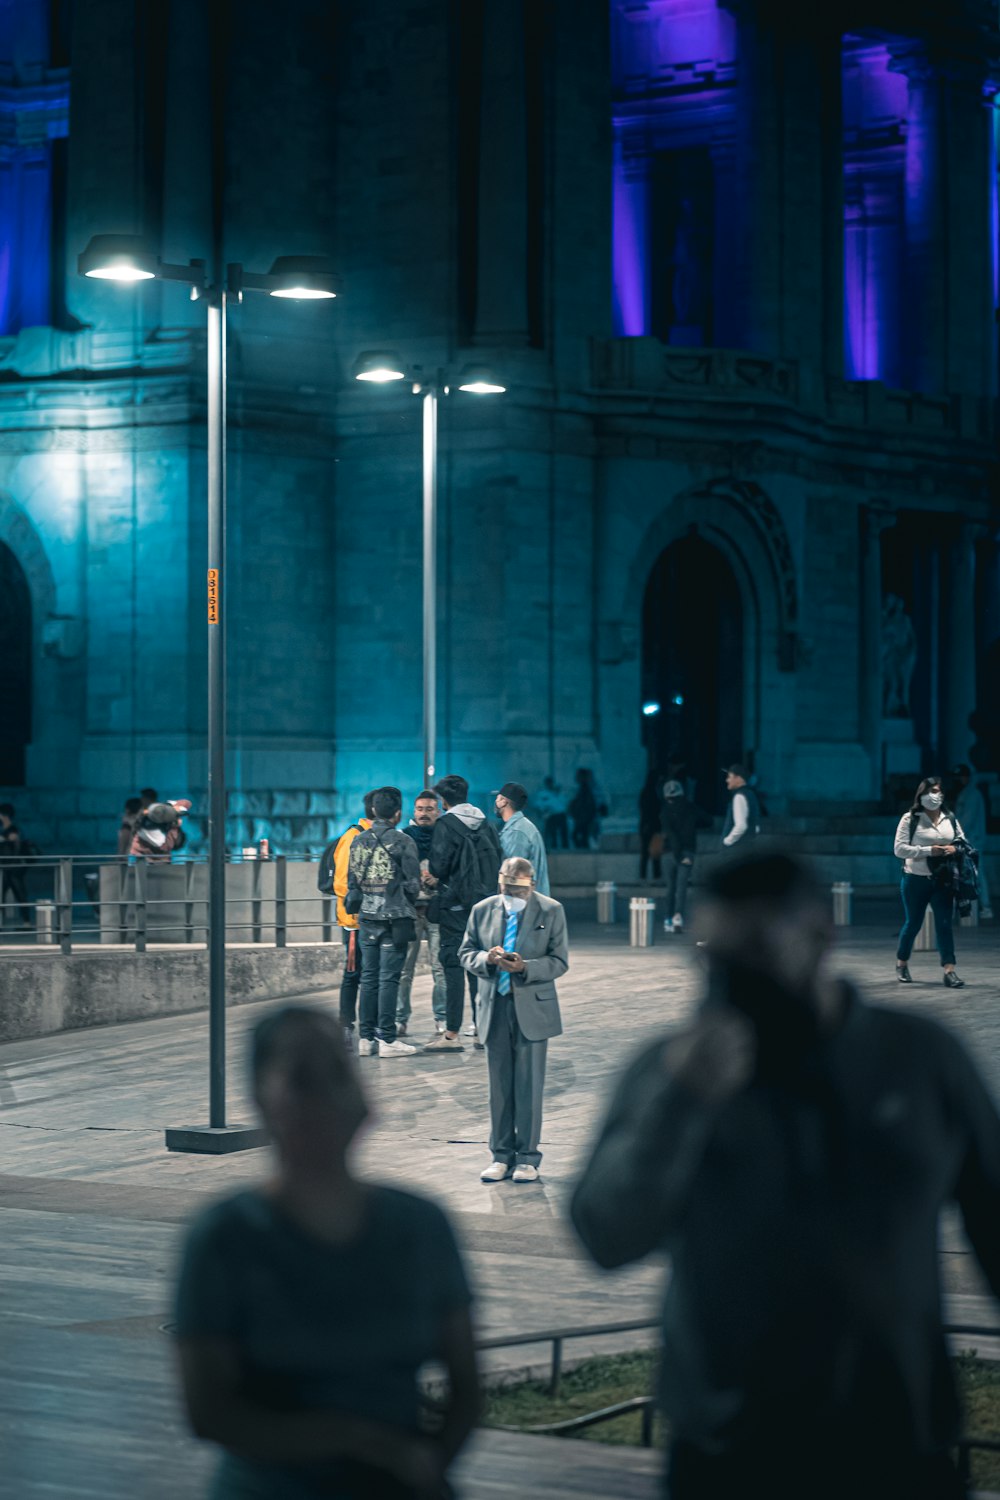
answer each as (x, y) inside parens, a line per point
(509, 944)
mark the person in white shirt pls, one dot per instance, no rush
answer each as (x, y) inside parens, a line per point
(926, 833)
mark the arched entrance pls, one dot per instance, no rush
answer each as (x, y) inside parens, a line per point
(15, 669)
(693, 665)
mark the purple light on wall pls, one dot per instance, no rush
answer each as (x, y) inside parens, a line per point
(630, 255)
(995, 207)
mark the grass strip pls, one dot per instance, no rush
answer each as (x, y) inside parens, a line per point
(603, 1381)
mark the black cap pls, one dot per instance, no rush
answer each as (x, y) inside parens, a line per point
(962, 770)
(515, 794)
(736, 770)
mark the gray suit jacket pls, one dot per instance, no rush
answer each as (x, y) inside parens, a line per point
(541, 942)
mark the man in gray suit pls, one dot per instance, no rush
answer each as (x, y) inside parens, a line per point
(515, 944)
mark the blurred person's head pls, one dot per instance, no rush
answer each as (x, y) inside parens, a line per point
(369, 799)
(736, 776)
(962, 776)
(426, 808)
(306, 1085)
(673, 791)
(387, 804)
(148, 795)
(767, 926)
(453, 790)
(6, 814)
(133, 806)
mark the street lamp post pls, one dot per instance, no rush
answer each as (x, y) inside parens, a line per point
(382, 368)
(128, 259)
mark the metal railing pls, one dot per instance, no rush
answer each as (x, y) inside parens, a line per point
(56, 921)
(646, 1405)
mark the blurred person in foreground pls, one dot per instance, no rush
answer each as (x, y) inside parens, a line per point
(307, 1305)
(791, 1149)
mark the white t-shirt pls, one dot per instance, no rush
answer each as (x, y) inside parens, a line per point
(925, 833)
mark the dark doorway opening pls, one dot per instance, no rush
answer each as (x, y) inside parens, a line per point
(692, 666)
(15, 669)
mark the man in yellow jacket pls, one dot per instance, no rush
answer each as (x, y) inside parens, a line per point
(351, 977)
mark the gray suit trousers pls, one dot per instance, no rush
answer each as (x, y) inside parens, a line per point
(517, 1078)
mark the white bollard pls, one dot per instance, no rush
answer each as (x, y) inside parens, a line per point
(927, 936)
(45, 921)
(842, 891)
(606, 892)
(641, 913)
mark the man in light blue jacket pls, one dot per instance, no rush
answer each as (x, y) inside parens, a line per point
(519, 838)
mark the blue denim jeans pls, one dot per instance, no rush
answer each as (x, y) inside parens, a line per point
(919, 892)
(381, 966)
(678, 875)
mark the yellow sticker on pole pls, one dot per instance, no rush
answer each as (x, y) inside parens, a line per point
(213, 596)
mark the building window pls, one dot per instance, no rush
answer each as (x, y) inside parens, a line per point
(875, 112)
(673, 76)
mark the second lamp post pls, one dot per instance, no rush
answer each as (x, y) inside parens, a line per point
(382, 368)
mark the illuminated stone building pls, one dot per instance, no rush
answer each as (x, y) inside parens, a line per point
(737, 264)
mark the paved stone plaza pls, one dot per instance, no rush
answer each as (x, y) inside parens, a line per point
(91, 1207)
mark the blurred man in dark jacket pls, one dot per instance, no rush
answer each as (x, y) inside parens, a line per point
(791, 1150)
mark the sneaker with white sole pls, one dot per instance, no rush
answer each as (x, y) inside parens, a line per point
(525, 1173)
(495, 1172)
(366, 1046)
(445, 1043)
(986, 912)
(668, 925)
(470, 1030)
(395, 1049)
(678, 922)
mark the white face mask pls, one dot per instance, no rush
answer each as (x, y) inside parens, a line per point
(932, 801)
(514, 903)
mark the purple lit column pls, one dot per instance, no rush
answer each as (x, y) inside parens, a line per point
(630, 239)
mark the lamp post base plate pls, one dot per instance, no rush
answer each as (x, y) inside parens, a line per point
(214, 1140)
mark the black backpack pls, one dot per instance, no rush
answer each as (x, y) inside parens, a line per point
(325, 873)
(475, 874)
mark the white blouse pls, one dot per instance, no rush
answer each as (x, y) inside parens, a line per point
(926, 833)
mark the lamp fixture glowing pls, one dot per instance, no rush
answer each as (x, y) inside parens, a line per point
(379, 367)
(118, 257)
(479, 380)
(650, 708)
(306, 278)
(678, 700)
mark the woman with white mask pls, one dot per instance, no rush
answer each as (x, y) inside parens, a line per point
(926, 833)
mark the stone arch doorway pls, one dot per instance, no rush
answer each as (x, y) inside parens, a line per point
(693, 664)
(15, 669)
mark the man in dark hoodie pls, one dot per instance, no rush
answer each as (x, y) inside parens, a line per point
(465, 863)
(426, 811)
(791, 1150)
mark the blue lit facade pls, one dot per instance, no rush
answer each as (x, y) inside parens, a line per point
(740, 280)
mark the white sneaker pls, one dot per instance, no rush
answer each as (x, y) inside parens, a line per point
(668, 925)
(986, 912)
(366, 1046)
(470, 1030)
(524, 1173)
(495, 1172)
(445, 1043)
(395, 1049)
(678, 922)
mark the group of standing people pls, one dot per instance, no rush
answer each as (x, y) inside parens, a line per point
(478, 895)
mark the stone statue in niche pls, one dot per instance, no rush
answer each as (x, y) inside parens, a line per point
(899, 657)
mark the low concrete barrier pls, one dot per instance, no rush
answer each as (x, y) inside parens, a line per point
(45, 991)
